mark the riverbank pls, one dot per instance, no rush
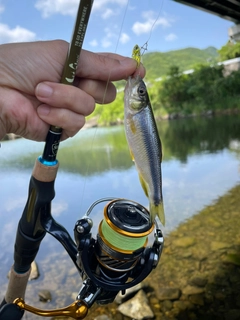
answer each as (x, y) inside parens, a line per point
(198, 276)
(93, 121)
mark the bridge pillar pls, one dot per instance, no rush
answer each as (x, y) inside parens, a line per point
(234, 33)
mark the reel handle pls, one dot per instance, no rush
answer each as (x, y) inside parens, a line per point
(77, 310)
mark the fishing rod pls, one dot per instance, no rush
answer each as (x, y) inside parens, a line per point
(41, 192)
(68, 76)
(116, 260)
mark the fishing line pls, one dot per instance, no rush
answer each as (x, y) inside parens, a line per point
(154, 23)
(144, 47)
(102, 103)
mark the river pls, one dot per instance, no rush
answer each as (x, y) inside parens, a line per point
(201, 159)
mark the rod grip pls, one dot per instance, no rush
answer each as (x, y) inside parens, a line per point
(17, 285)
(44, 173)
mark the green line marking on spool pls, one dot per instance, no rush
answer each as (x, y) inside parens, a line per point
(120, 241)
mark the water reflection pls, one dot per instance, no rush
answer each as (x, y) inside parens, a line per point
(201, 162)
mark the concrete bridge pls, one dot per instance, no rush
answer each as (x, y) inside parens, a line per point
(226, 9)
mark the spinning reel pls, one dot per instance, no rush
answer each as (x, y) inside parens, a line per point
(116, 260)
(119, 257)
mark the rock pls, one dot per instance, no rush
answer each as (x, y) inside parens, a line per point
(232, 258)
(102, 317)
(153, 300)
(167, 305)
(198, 280)
(190, 290)
(233, 314)
(221, 296)
(44, 295)
(180, 305)
(168, 293)
(184, 242)
(34, 271)
(129, 292)
(137, 307)
(197, 299)
(186, 254)
(217, 245)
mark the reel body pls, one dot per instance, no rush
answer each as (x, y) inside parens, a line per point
(119, 257)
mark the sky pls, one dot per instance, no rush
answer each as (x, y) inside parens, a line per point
(114, 25)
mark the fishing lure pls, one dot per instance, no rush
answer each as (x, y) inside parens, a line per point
(136, 54)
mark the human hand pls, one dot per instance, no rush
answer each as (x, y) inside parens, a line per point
(31, 97)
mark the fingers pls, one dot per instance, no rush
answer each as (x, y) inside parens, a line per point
(102, 92)
(66, 97)
(63, 106)
(69, 121)
(107, 66)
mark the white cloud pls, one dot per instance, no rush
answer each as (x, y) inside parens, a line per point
(50, 7)
(107, 13)
(150, 23)
(18, 34)
(101, 4)
(106, 43)
(93, 43)
(14, 203)
(109, 38)
(59, 207)
(170, 37)
(69, 7)
(124, 38)
(109, 33)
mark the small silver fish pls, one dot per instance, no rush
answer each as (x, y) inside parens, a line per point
(144, 143)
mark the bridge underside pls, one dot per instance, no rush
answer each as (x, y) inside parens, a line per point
(226, 9)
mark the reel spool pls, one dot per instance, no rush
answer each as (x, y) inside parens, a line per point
(122, 235)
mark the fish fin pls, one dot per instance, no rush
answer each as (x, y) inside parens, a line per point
(132, 126)
(157, 210)
(131, 154)
(143, 184)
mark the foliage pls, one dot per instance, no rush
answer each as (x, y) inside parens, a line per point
(174, 90)
(182, 94)
(157, 64)
(204, 89)
(229, 51)
(112, 113)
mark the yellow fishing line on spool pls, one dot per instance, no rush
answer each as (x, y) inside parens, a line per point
(122, 235)
(122, 242)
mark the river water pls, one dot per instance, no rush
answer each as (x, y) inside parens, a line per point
(201, 159)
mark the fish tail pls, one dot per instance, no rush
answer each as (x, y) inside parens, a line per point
(157, 210)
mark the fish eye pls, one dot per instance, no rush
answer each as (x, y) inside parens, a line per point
(141, 91)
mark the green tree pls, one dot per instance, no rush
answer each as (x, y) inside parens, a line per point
(174, 89)
(201, 84)
(229, 51)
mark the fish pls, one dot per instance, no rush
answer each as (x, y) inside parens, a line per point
(144, 143)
